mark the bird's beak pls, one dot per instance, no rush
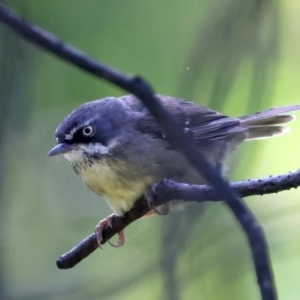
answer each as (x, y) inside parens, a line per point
(61, 148)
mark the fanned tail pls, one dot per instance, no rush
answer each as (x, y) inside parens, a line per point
(264, 124)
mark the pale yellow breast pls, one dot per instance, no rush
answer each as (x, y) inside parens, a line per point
(119, 191)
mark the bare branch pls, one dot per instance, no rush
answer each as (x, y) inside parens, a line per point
(168, 190)
(174, 133)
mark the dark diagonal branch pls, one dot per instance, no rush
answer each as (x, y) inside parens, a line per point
(174, 133)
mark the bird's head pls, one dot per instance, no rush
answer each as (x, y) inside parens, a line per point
(90, 131)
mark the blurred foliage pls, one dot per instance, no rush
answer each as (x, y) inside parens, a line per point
(232, 55)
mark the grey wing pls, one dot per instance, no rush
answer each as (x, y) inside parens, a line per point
(204, 124)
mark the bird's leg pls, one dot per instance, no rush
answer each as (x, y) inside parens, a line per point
(150, 195)
(99, 230)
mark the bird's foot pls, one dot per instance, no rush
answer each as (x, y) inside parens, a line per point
(99, 231)
(150, 195)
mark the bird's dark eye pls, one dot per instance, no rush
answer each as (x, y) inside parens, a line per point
(87, 130)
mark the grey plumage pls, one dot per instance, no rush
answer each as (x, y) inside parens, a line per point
(127, 151)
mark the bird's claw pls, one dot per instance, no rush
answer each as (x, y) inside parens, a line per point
(99, 231)
(121, 240)
(150, 195)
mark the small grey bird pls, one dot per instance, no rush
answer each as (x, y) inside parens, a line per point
(119, 151)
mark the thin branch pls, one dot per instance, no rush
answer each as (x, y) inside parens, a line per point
(168, 190)
(174, 133)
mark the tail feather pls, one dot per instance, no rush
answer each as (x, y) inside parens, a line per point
(264, 132)
(275, 120)
(263, 124)
(275, 115)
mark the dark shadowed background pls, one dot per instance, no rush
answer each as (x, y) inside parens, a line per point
(231, 55)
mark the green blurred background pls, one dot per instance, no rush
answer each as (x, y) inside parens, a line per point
(232, 55)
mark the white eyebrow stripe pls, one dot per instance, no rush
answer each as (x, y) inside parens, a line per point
(69, 136)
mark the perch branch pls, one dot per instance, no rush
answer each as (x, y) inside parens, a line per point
(168, 190)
